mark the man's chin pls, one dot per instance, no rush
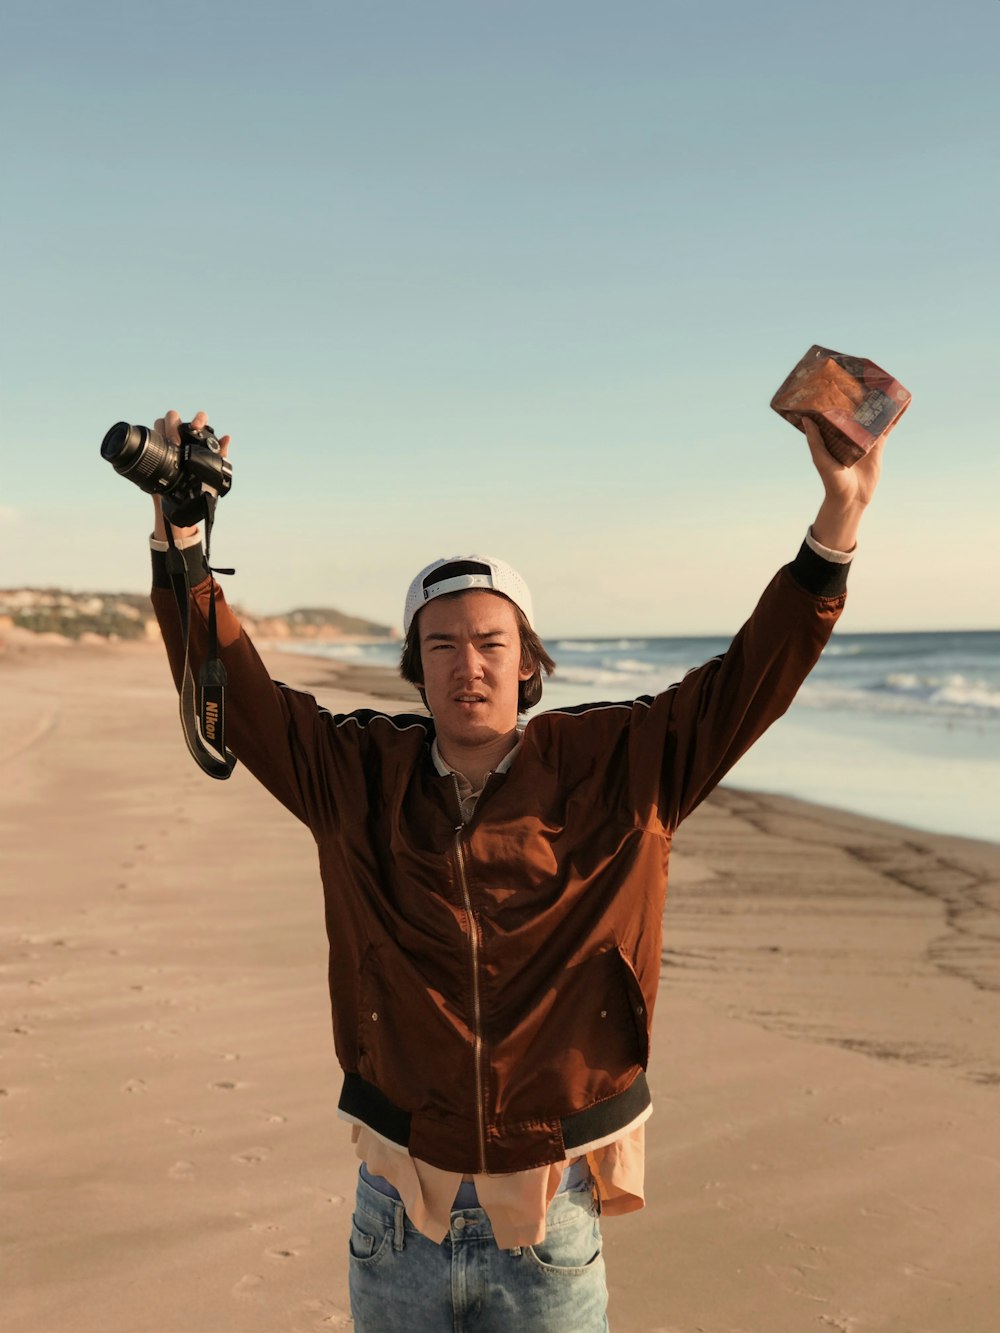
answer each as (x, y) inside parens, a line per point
(477, 723)
(480, 727)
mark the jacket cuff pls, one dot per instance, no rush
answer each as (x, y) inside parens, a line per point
(194, 558)
(827, 552)
(823, 578)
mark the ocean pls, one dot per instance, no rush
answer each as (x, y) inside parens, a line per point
(899, 726)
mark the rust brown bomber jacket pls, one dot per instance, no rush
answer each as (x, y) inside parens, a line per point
(493, 982)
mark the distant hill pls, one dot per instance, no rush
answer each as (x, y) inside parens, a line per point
(120, 615)
(314, 622)
(128, 615)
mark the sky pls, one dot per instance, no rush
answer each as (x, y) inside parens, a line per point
(515, 278)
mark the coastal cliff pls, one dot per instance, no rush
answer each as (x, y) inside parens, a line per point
(56, 613)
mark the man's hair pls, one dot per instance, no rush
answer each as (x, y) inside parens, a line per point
(534, 658)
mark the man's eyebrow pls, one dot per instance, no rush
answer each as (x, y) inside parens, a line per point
(479, 634)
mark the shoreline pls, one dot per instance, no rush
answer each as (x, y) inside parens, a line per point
(825, 1067)
(324, 673)
(856, 758)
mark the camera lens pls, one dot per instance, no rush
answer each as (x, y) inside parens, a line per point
(121, 444)
(142, 455)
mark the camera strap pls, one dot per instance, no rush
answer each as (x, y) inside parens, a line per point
(202, 706)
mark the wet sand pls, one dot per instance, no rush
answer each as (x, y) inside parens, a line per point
(825, 1149)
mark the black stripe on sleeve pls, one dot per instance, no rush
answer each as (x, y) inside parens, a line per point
(194, 558)
(823, 578)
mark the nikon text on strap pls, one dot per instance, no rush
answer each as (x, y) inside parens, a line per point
(202, 706)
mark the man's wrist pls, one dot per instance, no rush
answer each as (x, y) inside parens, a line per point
(836, 525)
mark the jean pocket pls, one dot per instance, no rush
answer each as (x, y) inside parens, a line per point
(368, 1240)
(570, 1249)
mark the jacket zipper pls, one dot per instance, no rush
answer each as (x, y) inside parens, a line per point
(477, 1018)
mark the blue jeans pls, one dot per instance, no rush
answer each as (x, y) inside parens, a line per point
(400, 1280)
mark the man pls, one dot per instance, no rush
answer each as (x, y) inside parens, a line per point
(494, 893)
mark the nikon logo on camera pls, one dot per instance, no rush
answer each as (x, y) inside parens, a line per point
(211, 719)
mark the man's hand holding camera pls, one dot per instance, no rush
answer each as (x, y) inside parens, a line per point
(181, 463)
(169, 427)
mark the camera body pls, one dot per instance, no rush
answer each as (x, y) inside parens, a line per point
(182, 475)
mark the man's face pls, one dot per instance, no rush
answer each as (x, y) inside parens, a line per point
(470, 653)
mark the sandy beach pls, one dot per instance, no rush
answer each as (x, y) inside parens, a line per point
(825, 1149)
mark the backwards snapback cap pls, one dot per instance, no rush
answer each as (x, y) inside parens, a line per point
(462, 573)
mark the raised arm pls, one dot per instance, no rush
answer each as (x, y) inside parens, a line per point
(713, 716)
(278, 733)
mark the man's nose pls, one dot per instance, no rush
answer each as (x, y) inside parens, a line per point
(469, 663)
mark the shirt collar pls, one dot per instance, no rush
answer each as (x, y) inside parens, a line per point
(444, 769)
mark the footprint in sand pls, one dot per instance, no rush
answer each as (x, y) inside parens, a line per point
(327, 1315)
(252, 1156)
(282, 1254)
(227, 1085)
(134, 1085)
(184, 1126)
(274, 1118)
(248, 1287)
(182, 1171)
(919, 1271)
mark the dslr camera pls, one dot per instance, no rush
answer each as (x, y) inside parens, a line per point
(185, 475)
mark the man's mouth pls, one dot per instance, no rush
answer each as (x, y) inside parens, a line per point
(470, 698)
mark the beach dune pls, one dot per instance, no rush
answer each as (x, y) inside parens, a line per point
(825, 1148)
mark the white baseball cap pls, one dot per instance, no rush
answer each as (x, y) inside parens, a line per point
(457, 573)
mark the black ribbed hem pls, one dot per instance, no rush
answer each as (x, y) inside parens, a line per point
(362, 1101)
(608, 1117)
(194, 558)
(823, 578)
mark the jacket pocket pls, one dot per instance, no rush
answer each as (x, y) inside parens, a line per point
(637, 1008)
(372, 1014)
(410, 1047)
(583, 1040)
